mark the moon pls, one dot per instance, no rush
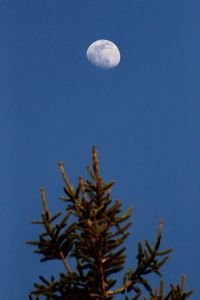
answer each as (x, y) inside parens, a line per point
(103, 54)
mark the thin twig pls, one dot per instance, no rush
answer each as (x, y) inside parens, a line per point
(64, 175)
(49, 230)
(65, 262)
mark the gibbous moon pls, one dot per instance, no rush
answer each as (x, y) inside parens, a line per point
(103, 54)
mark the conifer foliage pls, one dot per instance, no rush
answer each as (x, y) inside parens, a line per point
(92, 231)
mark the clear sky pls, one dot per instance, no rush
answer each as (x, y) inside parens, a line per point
(143, 116)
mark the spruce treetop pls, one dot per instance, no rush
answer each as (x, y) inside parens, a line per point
(92, 231)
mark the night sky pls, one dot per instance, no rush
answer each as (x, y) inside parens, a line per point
(143, 116)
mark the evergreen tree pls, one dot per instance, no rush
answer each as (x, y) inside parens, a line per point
(92, 230)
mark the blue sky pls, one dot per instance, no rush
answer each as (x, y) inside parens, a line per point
(143, 116)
